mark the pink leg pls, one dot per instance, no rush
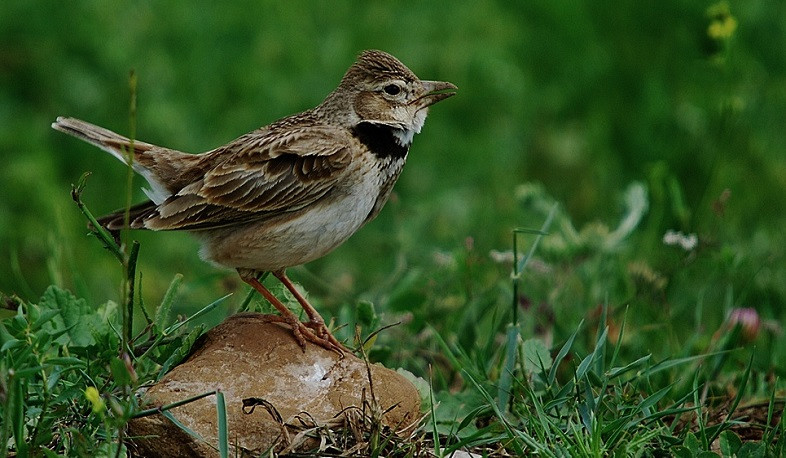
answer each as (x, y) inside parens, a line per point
(302, 332)
(316, 322)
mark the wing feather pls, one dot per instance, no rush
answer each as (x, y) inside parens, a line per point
(260, 174)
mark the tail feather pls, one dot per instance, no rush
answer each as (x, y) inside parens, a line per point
(137, 214)
(111, 142)
(145, 154)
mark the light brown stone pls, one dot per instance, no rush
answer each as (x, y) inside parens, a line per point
(247, 357)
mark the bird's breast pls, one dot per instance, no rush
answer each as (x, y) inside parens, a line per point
(311, 232)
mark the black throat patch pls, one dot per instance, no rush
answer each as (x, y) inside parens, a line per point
(380, 140)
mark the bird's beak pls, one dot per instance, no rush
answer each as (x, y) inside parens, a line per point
(434, 92)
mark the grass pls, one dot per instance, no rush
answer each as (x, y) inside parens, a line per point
(646, 320)
(70, 375)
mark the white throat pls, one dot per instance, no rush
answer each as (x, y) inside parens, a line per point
(405, 134)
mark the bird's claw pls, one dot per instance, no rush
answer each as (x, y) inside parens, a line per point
(318, 334)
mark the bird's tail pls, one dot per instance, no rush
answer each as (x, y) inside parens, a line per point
(115, 144)
(145, 154)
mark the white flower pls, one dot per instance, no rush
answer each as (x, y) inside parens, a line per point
(687, 242)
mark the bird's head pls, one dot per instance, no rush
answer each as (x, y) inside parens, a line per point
(383, 91)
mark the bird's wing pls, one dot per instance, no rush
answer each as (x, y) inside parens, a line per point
(260, 174)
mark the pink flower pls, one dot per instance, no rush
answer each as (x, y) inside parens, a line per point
(749, 322)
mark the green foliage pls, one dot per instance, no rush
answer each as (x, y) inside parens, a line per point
(45, 365)
(80, 320)
(65, 390)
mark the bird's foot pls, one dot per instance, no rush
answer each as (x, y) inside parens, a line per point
(318, 334)
(315, 332)
(319, 329)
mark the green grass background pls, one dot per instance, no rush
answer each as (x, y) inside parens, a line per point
(582, 98)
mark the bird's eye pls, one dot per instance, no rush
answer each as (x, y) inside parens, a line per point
(391, 89)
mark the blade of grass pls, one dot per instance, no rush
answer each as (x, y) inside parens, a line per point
(506, 376)
(478, 439)
(512, 432)
(768, 429)
(434, 429)
(669, 363)
(619, 339)
(171, 329)
(196, 315)
(615, 372)
(563, 352)
(164, 408)
(185, 428)
(221, 411)
(547, 427)
(740, 392)
(518, 266)
(699, 413)
(142, 307)
(584, 366)
(544, 229)
(450, 353)
(600, 360)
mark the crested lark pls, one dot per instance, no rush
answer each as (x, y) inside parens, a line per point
(290, 192)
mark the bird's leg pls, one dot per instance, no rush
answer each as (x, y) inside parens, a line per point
(316, 322)
(300, 330)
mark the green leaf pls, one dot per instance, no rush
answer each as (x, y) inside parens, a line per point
(11, 344)
(16, 411)
(27, 371)
(420, 384)
(80, 319)
(366, 315)
(44, 317)
(653, 399)
(182, 350)
(49, 453)
(67, 361)
(5, 335)
(163, 311)
(120, 372)
(681, 451)
(692, 443)
(730, 443)
(110, 450)
(536, 356)
(752, 450)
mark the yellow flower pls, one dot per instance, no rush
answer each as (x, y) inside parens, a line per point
(92, 395)
(722, 29)
(723, 24)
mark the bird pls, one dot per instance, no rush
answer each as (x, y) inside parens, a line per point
(286, 193)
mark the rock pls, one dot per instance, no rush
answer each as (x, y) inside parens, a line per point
(294, 390)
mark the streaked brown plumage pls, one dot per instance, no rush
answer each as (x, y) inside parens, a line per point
(289, 192)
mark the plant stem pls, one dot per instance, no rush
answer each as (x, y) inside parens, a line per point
(128, 317)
